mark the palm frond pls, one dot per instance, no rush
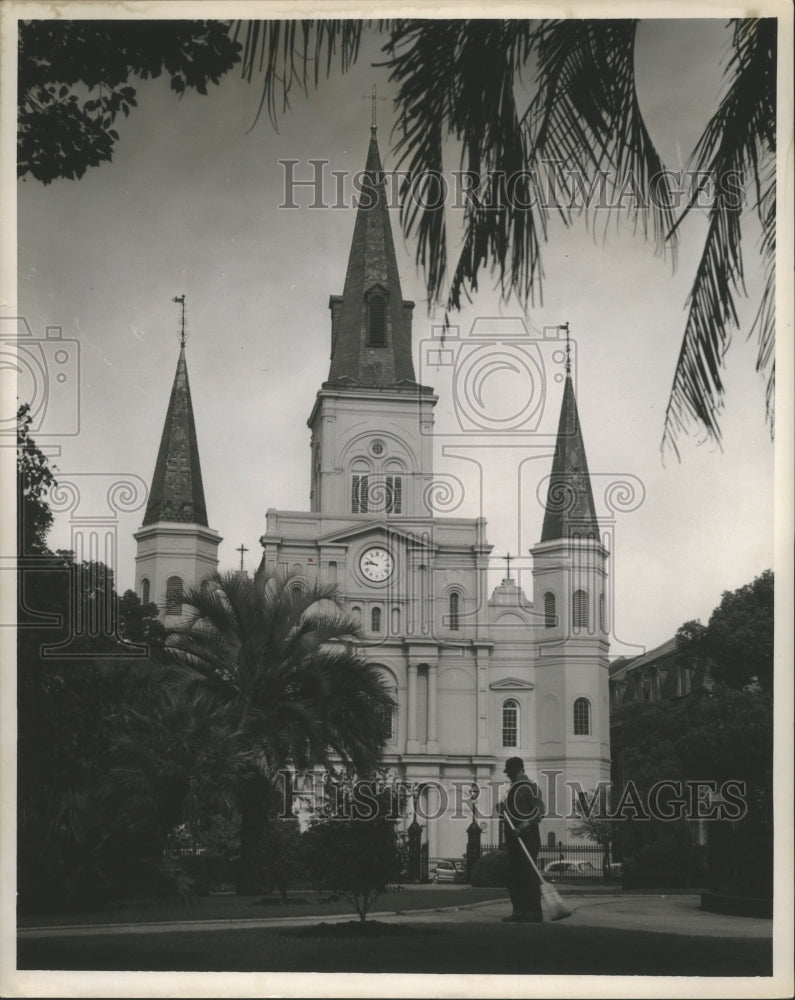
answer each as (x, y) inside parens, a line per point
(295, 53)
(737, 141)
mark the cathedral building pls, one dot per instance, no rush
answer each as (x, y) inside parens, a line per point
(477, 678)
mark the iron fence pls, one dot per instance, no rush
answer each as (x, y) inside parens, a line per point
(573, 860)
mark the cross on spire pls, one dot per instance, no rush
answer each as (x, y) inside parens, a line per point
(180, 299)
(373, 98)
(507, 557)
(565, 326)
(241, 550)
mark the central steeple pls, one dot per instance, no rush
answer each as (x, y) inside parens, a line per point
(370, 321)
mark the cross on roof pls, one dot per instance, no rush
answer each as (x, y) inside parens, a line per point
(241, 550)
(374, 97)
(507, 559)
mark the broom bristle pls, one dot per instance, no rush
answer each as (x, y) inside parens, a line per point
(554, 904)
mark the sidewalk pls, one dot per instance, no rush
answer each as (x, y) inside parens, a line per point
(678, 914)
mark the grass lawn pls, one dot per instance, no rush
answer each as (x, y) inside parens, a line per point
(228, 907)
(487, 946)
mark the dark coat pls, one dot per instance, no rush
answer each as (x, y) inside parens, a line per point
(524, 803)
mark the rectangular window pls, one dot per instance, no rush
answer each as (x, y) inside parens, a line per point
(394, 495)
(359, 494)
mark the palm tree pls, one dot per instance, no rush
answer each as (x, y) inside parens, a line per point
(279, 654)
(516, 95)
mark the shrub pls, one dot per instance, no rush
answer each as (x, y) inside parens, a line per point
(668, 865)
(491, 870)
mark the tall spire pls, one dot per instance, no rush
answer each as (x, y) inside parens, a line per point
(177, 493)
(370, 322)
(570, 508)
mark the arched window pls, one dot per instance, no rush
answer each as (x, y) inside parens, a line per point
(395, 621)
(375, 620)
(376, 320)
(454, 611)
(510, 723)
(579, 609)
(550, 610)
(144, 591)
(582, 717)
(602, 625)
(356, 615)
(174, 596)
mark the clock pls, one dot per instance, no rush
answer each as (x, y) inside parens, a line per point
(376, 564)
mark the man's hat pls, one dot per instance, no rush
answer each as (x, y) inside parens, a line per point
(513, 765)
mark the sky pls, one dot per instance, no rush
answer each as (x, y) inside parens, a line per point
(191, 204)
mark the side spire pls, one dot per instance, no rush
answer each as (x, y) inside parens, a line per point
(570, 509)
(370, 321)
(177, 493)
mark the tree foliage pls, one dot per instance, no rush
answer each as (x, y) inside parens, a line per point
(74, 81)
(34, 480)
(277, 651)
(737, 642)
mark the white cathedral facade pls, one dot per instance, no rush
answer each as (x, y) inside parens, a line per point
(476, 677)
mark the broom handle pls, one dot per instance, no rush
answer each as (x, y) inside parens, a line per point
(525, 848)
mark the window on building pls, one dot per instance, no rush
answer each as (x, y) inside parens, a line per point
(360, 490)
(582, 717)
(550, 611)
(375, 620)
(393, 494)
(454, 611)
(144, 591)
(602, 624)
(376, 321)
(510, 723)
(579, 610)
(174, 596)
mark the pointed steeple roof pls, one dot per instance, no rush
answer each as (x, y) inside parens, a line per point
(177, 493)
(371, 339)
(570, 508)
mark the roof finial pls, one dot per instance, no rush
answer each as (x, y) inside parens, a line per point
(565, 326)
(373, 99)
(181, 300)
(241, 549)
(507, 559)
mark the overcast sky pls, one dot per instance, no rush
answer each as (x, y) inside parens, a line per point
(190, 204)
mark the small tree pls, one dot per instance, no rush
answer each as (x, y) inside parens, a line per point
(352, 850)
(352, 858)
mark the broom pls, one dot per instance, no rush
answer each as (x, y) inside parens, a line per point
(549, 894)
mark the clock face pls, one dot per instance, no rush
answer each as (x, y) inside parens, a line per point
(376, 564)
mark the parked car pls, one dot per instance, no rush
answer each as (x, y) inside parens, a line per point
(568, 869)
(450, 870)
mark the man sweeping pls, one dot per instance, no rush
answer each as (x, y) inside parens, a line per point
(522, 812)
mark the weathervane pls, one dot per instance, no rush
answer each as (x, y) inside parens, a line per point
(181, 300)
